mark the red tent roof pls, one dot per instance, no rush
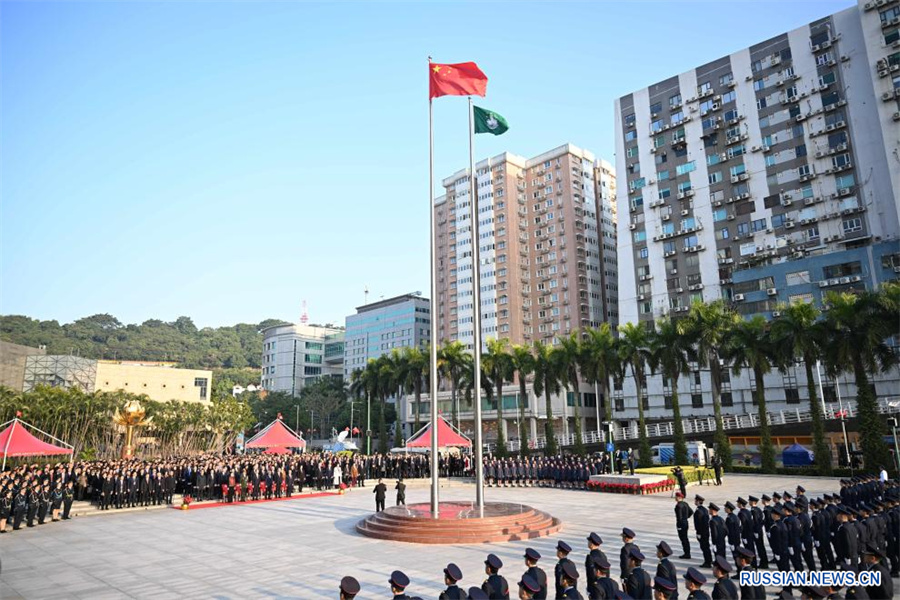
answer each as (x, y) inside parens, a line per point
(16, 440)
(447, 436)
(276, 433)
(276, 450)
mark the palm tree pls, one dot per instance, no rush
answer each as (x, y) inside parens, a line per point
(600, 361)
(497, 362)
(672, 352)
(634, 350)
(386, 378)
(748, 345)
(413, 367)
(569, 356)
(707, 324)
(857, 326)
(797, 333)
(523, 363)
(363, 382)
(546, 382)
(452, 359)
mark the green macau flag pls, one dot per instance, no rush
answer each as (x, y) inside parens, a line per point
(487, 121)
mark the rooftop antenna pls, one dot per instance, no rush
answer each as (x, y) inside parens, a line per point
(366, 292)
(304, 318)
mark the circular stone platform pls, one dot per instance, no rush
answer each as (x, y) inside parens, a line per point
(459, 523)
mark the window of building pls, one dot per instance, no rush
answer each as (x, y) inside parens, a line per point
(792, 395)
(726, 399)
(202, 383)
(697, 400)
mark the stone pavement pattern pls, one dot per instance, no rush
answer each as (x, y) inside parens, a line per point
(301, 548)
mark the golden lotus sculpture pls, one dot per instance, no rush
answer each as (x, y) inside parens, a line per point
(130, 416)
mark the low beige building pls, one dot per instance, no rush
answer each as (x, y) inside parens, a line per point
(158, 381)
(161, 381)
(12, 363)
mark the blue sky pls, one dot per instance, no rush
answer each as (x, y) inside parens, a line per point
(227, 160)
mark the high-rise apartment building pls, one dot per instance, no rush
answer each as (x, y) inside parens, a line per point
(769, 175)
(547, 242)
(379, 327)
(297, 354)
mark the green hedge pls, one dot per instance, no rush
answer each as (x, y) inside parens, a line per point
(802, 471)
(691, 474)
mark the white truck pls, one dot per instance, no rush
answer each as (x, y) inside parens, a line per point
(698, 453)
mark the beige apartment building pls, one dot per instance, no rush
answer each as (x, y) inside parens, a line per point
(547, 238)
(547, 229)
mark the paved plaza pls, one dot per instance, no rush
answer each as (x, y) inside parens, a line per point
(301, 548)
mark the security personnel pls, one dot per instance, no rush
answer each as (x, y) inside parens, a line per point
(806, 534)
(664, 589)
(717, 531)
(380, 492)
(745, 560)
(733, 526)
(701, 527)
(398, 582)
(536, 573)
(452, 574)
(724, 588)
(638, 585)
(68, 497)
(20, 507)
(401, 492)
(746, 519)
(778, 541)
(683, 513)
(801, 500)
(665, 569)
(625, 554)
(794, 535)
(528, 587)
(569, 580)
(594, 541)
(349, 588)
(562, 553)
(693, 581)
(495, 586)
(604, 588)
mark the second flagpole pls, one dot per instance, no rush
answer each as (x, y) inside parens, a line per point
(433, 377)
(476, 320)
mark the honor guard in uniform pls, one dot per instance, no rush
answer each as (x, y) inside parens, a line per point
(476, 593)
(759, 528)
(594, 541)
(745, 561)
(665, 569)
(718, 534)
(638, 585)
(569, 581)
(562, 553)
(401, 492)
(745, 517)
(532, 557)
(495, 586)
(683, 513)
(452, 574)
(624, 558)
(349, 588)
(663, 589)
(693, 581)
(724, 588)
(398, 582)
(604, 588)
(873, 561)
(528, 587)
(701, 528)
(778, 541)
(733, 527)
(56, 500)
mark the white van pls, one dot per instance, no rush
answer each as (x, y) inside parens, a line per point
(698, 453)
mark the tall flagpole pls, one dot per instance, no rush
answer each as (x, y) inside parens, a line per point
(433, 377)
(476, 301)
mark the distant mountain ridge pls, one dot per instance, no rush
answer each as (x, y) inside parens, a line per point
(105, 337)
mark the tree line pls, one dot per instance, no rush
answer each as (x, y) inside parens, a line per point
(103, 336)
(851, 334)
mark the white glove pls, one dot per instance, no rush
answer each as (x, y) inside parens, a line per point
(816, 543)
(791, 550)
(803, 547)
(698, 537)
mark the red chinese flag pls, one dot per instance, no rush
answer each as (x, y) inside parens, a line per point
(460, 79)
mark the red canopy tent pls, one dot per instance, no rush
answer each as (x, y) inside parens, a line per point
(16, 440)
(448, 436)
(276, 450)
(276, 434)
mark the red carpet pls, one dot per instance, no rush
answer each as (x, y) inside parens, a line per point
(198, 505)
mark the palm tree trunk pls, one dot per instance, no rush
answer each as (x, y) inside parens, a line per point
(681, 451)
(548, 426)
(645, 459)
(523, 398)
(453, 407)
(871, 431)
(766, 451)
(501, 438)
(723, 446)
(821, 448)
(418, 391)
